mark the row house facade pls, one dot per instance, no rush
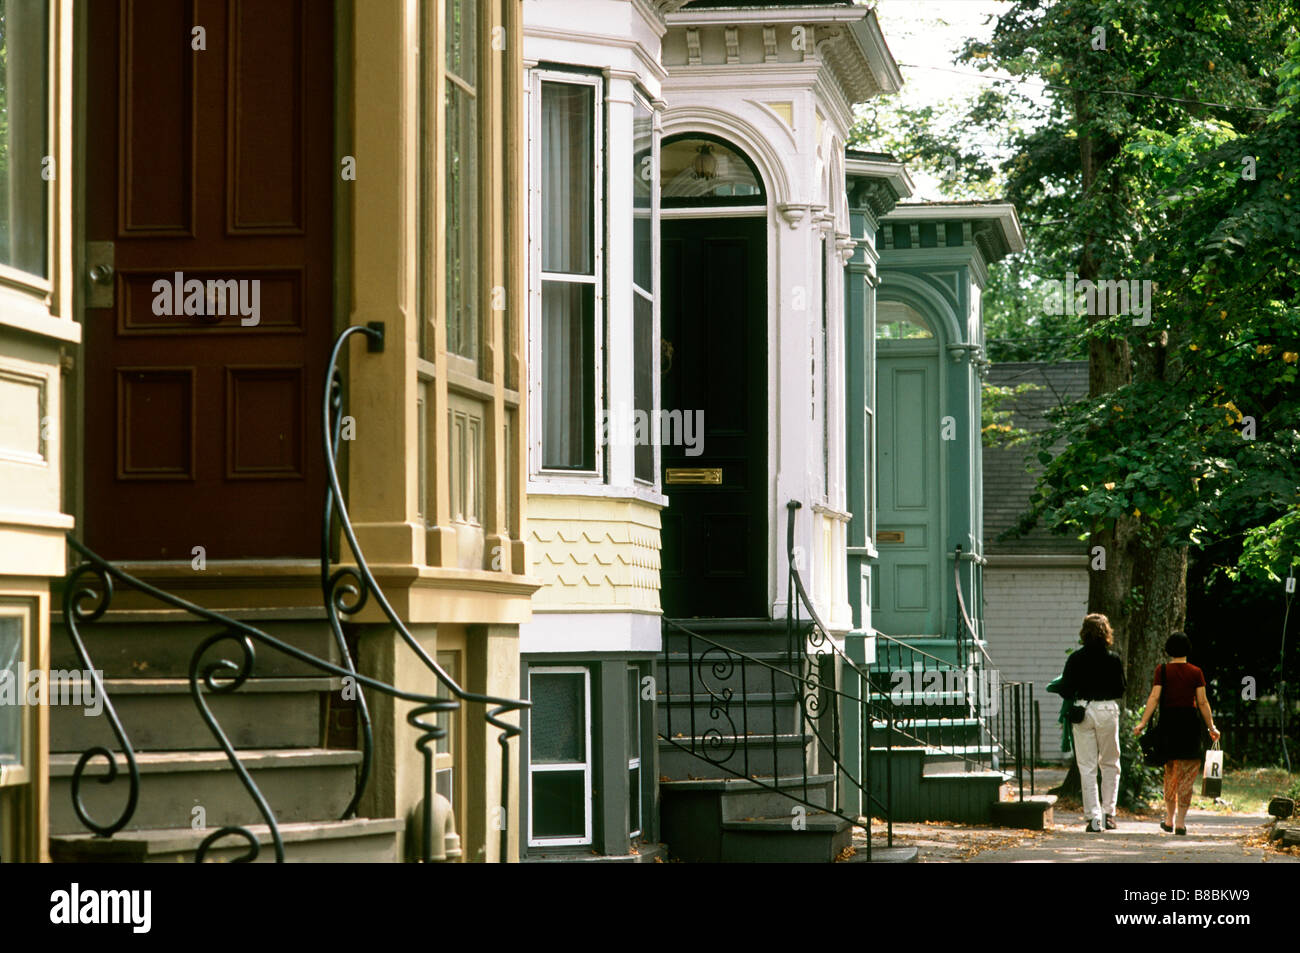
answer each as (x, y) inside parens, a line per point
(420, 385)
(339, 164)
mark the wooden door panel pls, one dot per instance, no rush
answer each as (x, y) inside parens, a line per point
(907, 601)
(152, 121)
(212, 172)
(715, 331)
(267, 141)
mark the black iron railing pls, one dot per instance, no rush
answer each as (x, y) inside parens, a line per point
(1018, 732)
(946, 705)
(743, 696)
(88, 593)
(740, 693)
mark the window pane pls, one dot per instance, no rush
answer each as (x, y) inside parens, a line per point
(634, 800)
(444, 783)
(461, 37)
(695, 169)
(24, 133)
(633, 713)
(445, 719)
(558, 730)
(896, 321)
(568, 176)
(642, 200)
(643, 380)
(559, 802)
(462, 221)
(11, 716)
(568, 376)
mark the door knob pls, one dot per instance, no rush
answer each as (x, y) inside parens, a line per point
(99, 271)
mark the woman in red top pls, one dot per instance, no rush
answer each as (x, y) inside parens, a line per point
(1180, 690)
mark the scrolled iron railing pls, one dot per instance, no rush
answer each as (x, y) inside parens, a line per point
(346, 590)
(712, 673)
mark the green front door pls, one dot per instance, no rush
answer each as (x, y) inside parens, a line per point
(714, 381)
(908, 585)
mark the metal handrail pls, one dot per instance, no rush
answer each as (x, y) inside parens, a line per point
(718, 662)
(798, 596)
(346, 591)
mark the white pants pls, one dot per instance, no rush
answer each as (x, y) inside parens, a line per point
(1096, 744)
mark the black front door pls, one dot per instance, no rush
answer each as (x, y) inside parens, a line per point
(714, 430)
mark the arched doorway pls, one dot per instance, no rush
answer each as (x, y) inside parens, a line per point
(713, 377)
(908, 600)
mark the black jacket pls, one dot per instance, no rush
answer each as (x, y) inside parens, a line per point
(1093, 673)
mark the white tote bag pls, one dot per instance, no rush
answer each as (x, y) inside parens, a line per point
(1212, 778)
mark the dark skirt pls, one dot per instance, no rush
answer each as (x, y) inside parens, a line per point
(1180, 734)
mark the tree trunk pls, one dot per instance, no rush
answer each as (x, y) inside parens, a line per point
(1138, 583)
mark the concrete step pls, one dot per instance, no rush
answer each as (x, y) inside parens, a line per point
(720, 671)
(159, 714)
(756, 712)
(940, 732)
(883, 855)
(352, 841)
(751, 636)
(799, 838)
(890, 655)
(730, 755)
(741, 820)
(141, 648)
(299, 784)
(740, 797)
(959, 759)
(966, 795)
(921, 704)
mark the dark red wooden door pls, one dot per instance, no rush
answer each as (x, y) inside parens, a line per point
(212, 166)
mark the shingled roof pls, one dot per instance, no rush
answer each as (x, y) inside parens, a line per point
(1007, 484)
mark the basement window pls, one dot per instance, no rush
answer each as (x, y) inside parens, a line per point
(633, 751)
(559, 756)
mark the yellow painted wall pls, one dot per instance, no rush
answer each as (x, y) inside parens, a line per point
(592, 552)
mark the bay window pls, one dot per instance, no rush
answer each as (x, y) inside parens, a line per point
(460, 122)
(567, 250)
(25, 173)
(645, 199)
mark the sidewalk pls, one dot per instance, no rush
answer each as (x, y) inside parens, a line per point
(1212, 837)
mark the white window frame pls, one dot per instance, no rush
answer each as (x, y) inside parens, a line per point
(24, 611)
(539, 475)
(654, 292)
(586, 837)
(635, 763)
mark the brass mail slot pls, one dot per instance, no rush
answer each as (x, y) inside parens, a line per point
(889, 536)
(698, 476)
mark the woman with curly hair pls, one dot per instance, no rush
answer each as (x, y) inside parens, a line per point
(1179, 689)
(1094, 678)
